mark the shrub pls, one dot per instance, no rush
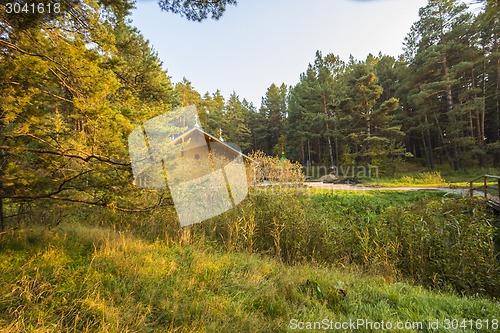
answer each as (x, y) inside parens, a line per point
(438, 243)
(448, 243)
(274, 169)
(424, 178)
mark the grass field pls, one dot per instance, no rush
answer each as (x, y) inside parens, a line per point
(332, 256)
(76, 278)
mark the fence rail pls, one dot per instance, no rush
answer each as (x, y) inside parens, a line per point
(489, 188)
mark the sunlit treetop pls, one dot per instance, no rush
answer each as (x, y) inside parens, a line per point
(196, 10)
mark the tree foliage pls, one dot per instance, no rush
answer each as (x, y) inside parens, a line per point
(196, 10)
(75, 85)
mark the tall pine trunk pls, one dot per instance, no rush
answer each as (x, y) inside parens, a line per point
(330, 149)
(451, 115)
(309, 152)
(443, 142)
(303, 151)
(480, 115)
(2, 216)
(497, 134)
(368, 135)
(2, 165)
(336, 141)
(428, 147)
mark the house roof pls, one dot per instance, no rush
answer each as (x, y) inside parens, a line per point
(208, 136)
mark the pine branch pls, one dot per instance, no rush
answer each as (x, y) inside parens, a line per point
(102, 203)
(85, 157)
(60, 189)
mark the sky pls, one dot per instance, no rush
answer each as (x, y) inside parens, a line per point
(260, 42)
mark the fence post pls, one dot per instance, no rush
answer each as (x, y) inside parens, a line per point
(486, 187)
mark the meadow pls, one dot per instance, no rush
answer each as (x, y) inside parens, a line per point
(284, 258)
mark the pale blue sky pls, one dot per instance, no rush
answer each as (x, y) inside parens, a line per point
(260, 42)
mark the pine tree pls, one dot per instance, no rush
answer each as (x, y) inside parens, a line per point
(215, 107)
(71, 96)
(314, 111)
(438, 43)
(196, 10)
(236, 128)
(488, 24)
(272, 118)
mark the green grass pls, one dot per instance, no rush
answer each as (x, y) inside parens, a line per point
(85, 279)
(283, 254)
(438, 178)
(468, 175)
(388, 198)
(421, 179)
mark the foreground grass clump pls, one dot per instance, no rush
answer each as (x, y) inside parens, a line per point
(84, 279)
